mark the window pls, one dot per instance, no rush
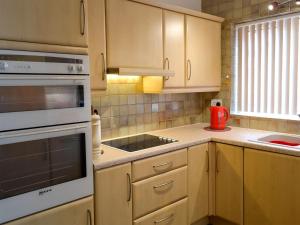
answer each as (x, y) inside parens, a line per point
(267, 68)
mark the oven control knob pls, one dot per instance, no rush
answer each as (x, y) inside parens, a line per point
(3, 66)
(70, 68)
(80, 68)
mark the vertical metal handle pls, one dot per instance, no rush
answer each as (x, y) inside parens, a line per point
(82, 17)
(129, 187)
(167, 62)
(189, 68)
(217, 162)
(103, 66)
(90, 222)
(207, 155)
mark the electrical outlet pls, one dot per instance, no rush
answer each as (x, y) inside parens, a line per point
(215, 101)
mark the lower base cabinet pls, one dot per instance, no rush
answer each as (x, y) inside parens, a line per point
(229, 183)
(272, 188)
(175, 214)
(80, 212)
(198, 170)
(113, 201)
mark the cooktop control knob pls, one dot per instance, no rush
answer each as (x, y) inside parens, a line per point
(79, 68)
(70, 68)
(3, 66)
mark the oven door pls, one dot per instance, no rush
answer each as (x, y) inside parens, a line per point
(42, 168)
(43, 100)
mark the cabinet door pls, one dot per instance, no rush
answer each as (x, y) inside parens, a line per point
(113, 203)
(134, 35)
(174, 49)
(198, 168)
(272, 187)
(229, 183)
(59, 22)
(97, 44)
(76, 213)
(203, 52)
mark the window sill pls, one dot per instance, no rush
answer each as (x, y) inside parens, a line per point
(267, 116)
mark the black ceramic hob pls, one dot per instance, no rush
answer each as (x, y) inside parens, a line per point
(139, 142)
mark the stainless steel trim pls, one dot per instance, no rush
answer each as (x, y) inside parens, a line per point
(4, 77)
(189, 67)
(161, 165)
(163, 185)
(90, 221)
(82, 19)
(103, 66)
(129, 187)
(41, 132)
(165, 219)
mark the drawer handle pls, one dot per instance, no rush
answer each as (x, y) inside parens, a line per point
(161, 165)
(163, 185)
(165, 219)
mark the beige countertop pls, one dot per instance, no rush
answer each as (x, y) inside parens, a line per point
(188, 136)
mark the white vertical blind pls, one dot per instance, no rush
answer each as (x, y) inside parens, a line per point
(267, 68)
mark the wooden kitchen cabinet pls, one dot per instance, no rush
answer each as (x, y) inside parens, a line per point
(97, 44)
(229, 183)
(80, 212)
(134, 35)
(272, 187)
(113, 196)
(56, 22)
(198, 170)
(203, 53)
(174, 48)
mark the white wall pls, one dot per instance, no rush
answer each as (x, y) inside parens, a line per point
(191, 4)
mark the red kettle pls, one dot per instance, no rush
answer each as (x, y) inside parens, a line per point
(219, 116)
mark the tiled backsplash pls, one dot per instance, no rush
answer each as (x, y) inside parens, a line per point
(125, 110)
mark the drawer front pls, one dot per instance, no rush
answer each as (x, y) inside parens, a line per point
(156, 192)
(159, 164)
(175, 214)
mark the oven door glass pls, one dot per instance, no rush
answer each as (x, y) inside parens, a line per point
(33, 98)
(32, 165)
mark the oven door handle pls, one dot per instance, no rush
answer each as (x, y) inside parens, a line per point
(42, 132)
(12, 77)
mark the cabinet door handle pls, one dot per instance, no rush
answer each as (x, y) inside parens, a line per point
(163, 185)
(167, 62)
(103, 66)
(90, 222)
(165, 219)
(82, 17)
(189, 67)
(161, 165)
(129, 187)
(207, 155)
(217, 162)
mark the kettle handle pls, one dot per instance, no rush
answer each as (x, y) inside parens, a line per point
(227, 114)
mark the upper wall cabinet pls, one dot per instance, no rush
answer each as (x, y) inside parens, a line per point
(174, 49)
(134, 35)
(203, 52)
(97, 43)
(57, 22)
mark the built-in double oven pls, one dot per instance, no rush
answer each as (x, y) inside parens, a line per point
(45, 131)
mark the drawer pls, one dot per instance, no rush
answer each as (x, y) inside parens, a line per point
(159, 191)
(159, 164)
(175, 214)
